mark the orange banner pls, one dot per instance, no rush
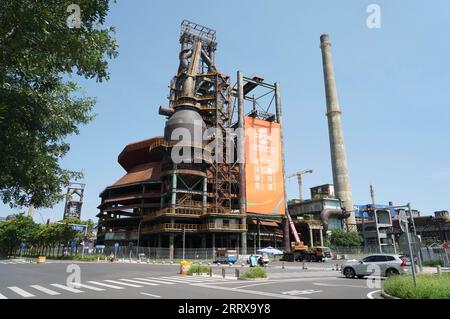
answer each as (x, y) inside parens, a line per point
(263, 167)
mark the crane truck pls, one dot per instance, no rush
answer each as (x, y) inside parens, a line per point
(301, 252)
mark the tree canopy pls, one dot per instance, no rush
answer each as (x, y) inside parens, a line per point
(341, 238)
(40, 104)
(22, 229)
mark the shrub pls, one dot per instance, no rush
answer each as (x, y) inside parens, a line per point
(341, 238)
(432, 263)
(428, 287)
(198, 269)
(258, 272)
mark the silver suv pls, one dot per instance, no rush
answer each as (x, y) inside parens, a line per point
(381, 265)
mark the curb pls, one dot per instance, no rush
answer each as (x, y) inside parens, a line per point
(253, 279)
(387, 296)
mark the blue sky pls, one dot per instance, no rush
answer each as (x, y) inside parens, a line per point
(393, 85)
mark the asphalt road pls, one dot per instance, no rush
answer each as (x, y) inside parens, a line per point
(135, 281)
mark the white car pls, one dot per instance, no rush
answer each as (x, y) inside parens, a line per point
(377, 265)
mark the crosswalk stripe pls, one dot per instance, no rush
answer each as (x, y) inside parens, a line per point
(123, 283)
(2, 297)
(46, 290)
(140, 282)
(157, 281)
(80, 285)
(197, 278)
(174, 280)
(104, 285)
(67, 288)
(21, 292)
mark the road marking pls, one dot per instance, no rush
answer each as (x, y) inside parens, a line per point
(63, 287)
(123, 283)
(105, 285)
(301, 292)
(21, 292)
(174, 280)
(140, 282)
(3, 297)
(253, 292)
(46, 290)
(370, 294)
(336, 285)
(80, 285)
(157, 281)
(146, 294)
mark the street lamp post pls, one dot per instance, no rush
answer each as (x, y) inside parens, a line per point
(184, 239)
(138, 237)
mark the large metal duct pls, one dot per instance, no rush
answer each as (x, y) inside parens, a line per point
(327, 212)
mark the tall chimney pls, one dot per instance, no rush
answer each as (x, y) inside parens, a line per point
(341, 178)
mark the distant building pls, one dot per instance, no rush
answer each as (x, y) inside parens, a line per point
(323, 206)
(442, 213)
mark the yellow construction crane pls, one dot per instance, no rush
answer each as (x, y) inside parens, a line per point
(299, 179)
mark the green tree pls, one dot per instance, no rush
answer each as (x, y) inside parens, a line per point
(15, 231)
(341, 238)
(40, 104)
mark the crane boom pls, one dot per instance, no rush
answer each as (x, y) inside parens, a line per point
(293, 229)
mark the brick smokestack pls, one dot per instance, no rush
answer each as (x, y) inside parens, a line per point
(341, 177)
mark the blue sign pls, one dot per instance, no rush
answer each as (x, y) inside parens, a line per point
(100, 246)
(116, 245)
(23, 245)
(78, 228)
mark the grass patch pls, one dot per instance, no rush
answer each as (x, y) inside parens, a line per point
(257, 272)
(198, 269)
(429, 286)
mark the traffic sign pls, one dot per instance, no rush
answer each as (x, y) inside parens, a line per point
(23, 245)
(100, 246)
(116, 245)
(78, 227)
(403, 221)
(415, 243)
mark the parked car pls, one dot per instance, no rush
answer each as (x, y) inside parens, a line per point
(380, 264)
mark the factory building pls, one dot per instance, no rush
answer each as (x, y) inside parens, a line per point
(215, 179)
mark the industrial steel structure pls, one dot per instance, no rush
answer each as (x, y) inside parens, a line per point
(189, 186)
(73, 204)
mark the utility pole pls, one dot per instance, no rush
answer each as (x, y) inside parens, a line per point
(299, 179)
(184, 239)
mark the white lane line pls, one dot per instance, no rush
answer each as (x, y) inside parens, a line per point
(157, 281)
(46, 290)
(80, 285)
(146, 294)
(21, 292)
(105, 285)
(140, 282)
(3, 297)
(337, 285)
(63, 287)
(123, 283)
(370, 294)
